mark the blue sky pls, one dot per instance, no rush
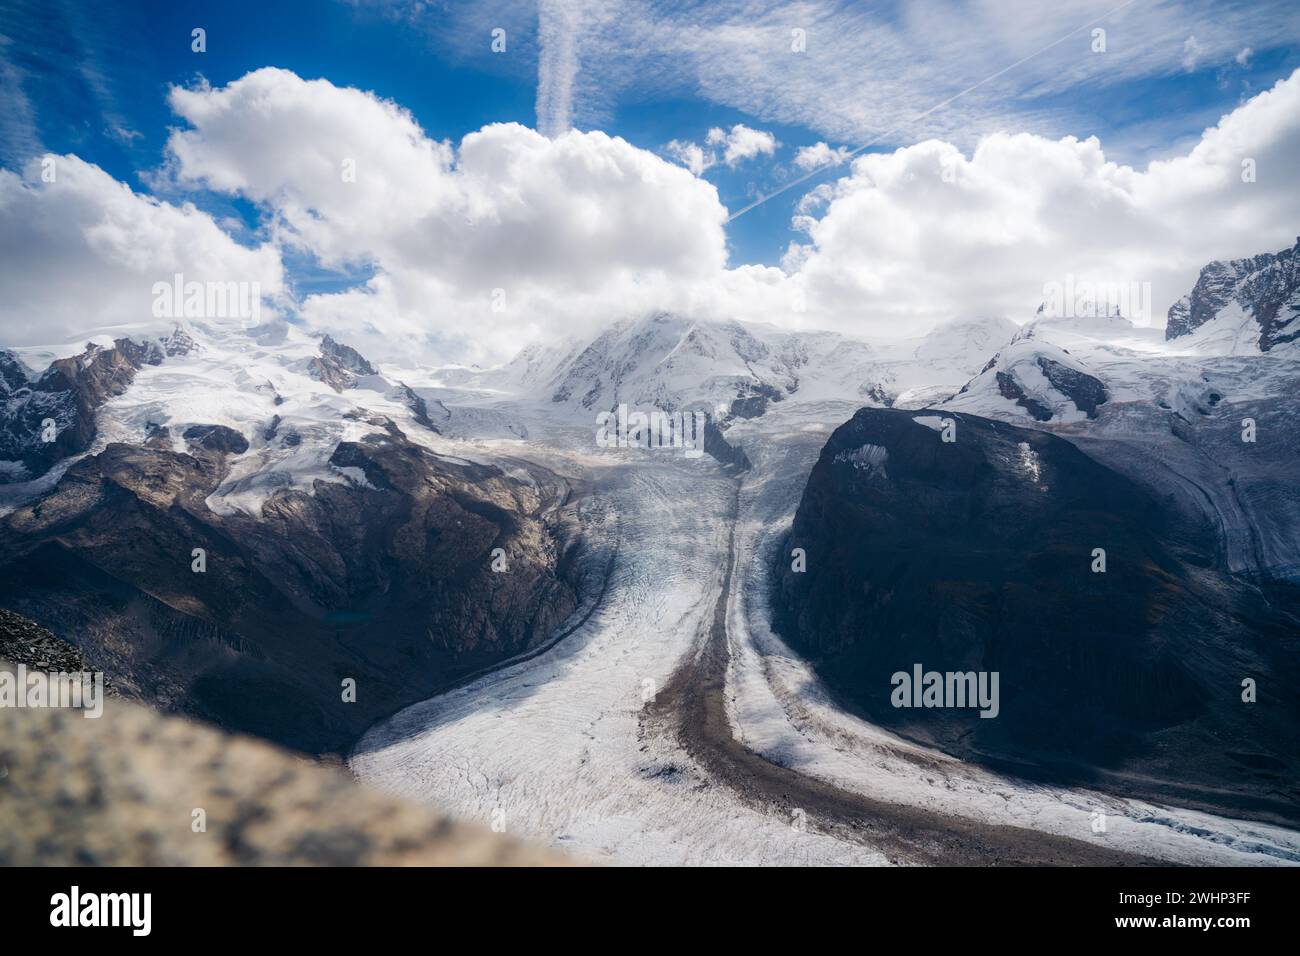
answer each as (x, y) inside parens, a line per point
(95, 78)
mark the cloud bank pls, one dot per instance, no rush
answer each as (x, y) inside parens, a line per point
(82, 252)
(476, 248)
(912, 237)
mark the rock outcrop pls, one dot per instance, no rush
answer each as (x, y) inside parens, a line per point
(1266, 287)
(384, 584)
(45, 420)
(339, 365)
(981, 555)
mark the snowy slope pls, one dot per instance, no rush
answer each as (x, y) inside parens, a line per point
(672, 362)
(558, 749)
(1035, 377)
(554, 749)
(265, 384)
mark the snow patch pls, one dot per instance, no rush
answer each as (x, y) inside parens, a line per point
(869, 458)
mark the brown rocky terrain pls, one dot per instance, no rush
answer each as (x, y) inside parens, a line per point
(44, 420)
(387, 582)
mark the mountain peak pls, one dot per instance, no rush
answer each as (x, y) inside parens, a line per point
(1265, 287)
(339, 365)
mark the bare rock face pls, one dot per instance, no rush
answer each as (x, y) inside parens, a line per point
(1265, 286)
(1086, 391)
(138, 788)
(978, 556)
(1008, 387)
(339, 365)
(717, 447)
(753, 399)
(218, 439)
(419, 408)
(261, 622)
(46, 420)
(179, 343)
(878, 393)
(22, 642)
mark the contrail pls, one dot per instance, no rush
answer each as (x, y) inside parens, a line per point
(557, 64)
(920, 116)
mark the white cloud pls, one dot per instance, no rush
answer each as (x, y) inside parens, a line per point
(868, 68)
(741, 143)
(730, 147)
(583, 228)
(691, 155)
(84, 251)
(901, 246)
(572, 229)
(819, 155)
(293, 144)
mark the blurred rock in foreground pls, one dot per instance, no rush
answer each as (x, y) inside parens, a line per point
(122, 790)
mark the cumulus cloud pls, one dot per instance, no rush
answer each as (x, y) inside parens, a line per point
(819, 155)
(83, 252)
(925, 233)
(730, 147)
(741, 143)
(334, 166)
(691, 155)
(473, 245)
(475, 248)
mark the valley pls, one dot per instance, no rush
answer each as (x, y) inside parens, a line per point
(607, 646)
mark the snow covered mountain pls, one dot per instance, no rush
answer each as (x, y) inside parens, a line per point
(1044, 380)
(731, 369)
(291, 396)
(1206, 416)
(1174, 453)
(326, 484)
(47, 417)
(1133, 419)
(1232, 338)
(670, 362)
(294, 397)
(238, 519)
(1256, 301)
